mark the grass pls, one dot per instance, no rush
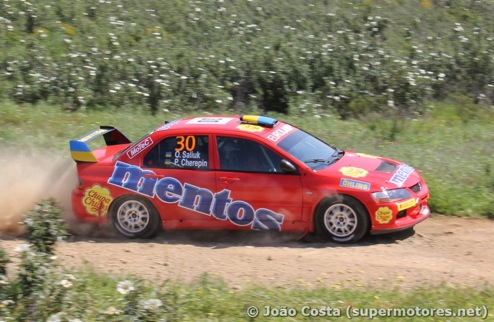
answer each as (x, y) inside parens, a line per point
(210, 299)
(96, 297)
(452, 151)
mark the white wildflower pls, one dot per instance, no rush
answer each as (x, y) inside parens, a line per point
(56, 317)
(70, 277)
(151, 304)
(125, 287)
(22, 248)
(3, 280)
(458, 27)
(65, 283)
(112, 311)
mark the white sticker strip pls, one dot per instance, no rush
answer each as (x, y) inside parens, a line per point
(210, 120)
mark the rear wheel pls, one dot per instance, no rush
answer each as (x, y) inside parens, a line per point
(135, 217)
(342, 219)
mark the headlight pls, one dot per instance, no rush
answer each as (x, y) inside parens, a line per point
(391, 195)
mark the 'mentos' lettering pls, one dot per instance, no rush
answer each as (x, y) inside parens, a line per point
(401, 175)
(201, 200)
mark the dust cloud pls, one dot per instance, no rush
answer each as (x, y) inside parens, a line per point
(27, 177)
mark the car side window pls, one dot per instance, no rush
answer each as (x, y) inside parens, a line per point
(179, 152)
(244, 155)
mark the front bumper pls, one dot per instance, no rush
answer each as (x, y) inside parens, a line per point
(406, 222)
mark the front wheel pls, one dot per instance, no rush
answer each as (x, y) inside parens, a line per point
(135, 217)
(342, 219)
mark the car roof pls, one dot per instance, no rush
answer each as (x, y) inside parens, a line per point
(262, 126)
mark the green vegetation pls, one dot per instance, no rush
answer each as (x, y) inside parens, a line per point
(344, 57)
(43, 291)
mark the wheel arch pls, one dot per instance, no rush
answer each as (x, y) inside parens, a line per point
(155, 221)
(337, 197)
(133, 195)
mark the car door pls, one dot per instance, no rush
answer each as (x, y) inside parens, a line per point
(184, 185)
(260, 195)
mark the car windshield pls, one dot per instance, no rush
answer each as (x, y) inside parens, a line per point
(310, 150)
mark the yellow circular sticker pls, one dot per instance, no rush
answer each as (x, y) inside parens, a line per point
(384, 215)
(353, 172)
(250, 128)
(97, 200)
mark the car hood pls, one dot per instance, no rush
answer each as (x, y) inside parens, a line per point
(377, 171)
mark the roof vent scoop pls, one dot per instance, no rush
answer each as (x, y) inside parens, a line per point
(386, 166)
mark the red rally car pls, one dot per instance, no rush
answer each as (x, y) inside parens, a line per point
(249, 172)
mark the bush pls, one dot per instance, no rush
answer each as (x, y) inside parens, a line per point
(23, 294)
(4, 260)
(244, 55)
(44, 226)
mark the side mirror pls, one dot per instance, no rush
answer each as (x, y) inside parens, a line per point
(288, 167)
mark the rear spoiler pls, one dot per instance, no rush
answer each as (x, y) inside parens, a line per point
(81, 152)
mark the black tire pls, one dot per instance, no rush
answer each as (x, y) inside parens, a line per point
(342, 219)
(135, 217)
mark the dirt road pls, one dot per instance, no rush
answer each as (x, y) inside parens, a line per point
(442, 250)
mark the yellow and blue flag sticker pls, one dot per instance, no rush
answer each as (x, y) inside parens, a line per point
(80, 151)
(259, 120)
(168, 158)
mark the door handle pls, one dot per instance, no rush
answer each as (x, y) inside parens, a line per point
(229, 179)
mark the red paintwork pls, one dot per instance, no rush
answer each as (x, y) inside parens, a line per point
(294, 196)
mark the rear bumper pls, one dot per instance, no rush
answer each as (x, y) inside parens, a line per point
(80, 206)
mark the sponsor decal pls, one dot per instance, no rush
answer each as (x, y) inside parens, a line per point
(200, 200)
(279, 133)
(168, 158)
(186, 143)
(354, 184)
(406, 204)
(168, 125)
(250, 128)
(92, 135)
(139, 147)
(186, 159)
(401, 175)
(184, 155)
(384, 215)
(96, 200)
(210, 120)
(354, 172)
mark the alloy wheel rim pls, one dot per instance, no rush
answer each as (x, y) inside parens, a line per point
(340, 220)
(133, 216)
